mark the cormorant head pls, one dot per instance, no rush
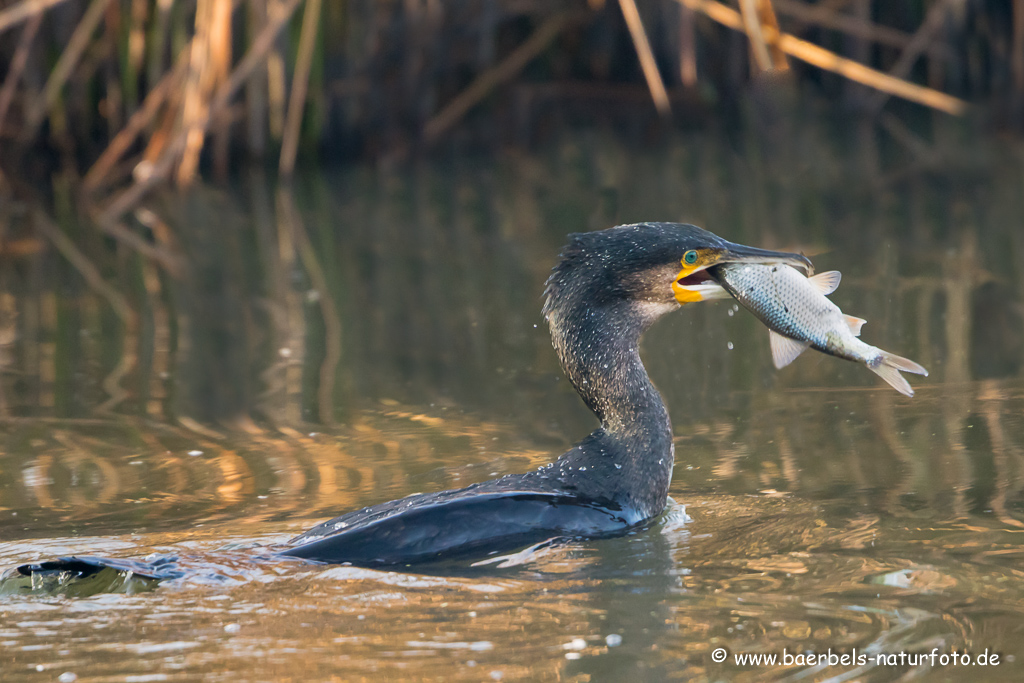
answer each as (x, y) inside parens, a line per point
(653, 266)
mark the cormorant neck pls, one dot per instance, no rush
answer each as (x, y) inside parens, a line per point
(628, 460)
(598, 347)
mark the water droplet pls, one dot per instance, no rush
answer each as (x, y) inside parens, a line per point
(232, 628)
(195, 453)
(729, 346)
(618, 466)
(731, 312)
(613, 640)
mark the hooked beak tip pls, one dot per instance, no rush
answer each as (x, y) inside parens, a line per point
(738, 253)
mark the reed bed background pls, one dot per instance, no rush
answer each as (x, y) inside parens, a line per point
(151, 91)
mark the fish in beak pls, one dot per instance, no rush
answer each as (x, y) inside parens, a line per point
(696, 283)
(798, 314)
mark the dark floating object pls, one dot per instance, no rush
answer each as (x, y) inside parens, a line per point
(82, 567)
(86, 576)
(608, 288)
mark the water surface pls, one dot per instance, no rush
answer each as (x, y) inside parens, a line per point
(373, 333)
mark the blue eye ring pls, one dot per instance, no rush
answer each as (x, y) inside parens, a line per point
(690, 257)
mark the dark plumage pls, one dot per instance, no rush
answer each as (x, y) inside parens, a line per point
(607, 289)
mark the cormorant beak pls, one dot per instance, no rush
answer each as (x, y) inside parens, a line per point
(695, 283)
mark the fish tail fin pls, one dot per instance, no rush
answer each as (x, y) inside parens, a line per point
(888, 367)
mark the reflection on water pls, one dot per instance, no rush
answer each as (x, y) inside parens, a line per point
(372, 334)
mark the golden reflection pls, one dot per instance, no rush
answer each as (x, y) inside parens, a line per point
(1008, 480)
(396, 451)
(826, 511)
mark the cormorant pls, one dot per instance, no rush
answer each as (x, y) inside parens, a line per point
(607, 289)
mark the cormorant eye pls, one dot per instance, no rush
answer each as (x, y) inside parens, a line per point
(690, 257)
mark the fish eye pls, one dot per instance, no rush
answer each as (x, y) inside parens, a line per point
(690, 257)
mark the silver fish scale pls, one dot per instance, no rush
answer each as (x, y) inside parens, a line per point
(787, 303)
(796, 307)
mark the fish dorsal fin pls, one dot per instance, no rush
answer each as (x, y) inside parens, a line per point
(826, 282)
(784, 349)
(855, 324)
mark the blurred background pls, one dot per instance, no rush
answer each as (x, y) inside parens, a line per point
(95, 88)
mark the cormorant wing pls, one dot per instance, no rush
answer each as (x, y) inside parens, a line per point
(473, 521)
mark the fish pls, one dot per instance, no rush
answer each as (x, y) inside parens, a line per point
(799, 315)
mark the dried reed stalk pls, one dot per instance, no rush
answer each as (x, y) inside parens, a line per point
(159, 36)
(687, 48)
(256, 89)
(64, 66)
(139, 18)
(646, 56)
(933, 22)
(487, 81)
(220, 53)
(300, 86)
(752, 27)
(17, 66)
(206, 70)
(12, 16)
(830, 61)
(98, 174)
(276, 86)
(766, 16)
(108, 218)
(821, 15)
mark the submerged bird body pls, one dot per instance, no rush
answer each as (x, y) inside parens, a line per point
(799, 315)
